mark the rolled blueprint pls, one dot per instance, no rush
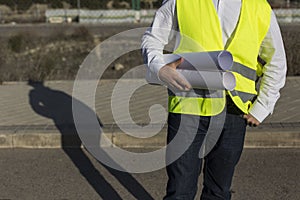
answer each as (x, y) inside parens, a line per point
(203, 70)
(203, 61)
(212, 80)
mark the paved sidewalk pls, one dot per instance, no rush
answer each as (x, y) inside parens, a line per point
(38, 115)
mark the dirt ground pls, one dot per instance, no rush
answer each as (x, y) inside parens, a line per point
(55, 52)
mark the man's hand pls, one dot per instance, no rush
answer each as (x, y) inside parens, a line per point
(251, 121)
(171, 77)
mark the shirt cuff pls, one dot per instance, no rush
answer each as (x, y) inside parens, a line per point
(152, 74)
(155, 67)
(258, 111)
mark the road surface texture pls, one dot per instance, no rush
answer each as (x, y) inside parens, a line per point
(61, 174)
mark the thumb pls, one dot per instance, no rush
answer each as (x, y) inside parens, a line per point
(178, 62)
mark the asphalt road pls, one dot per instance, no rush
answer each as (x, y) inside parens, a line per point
(262, 174)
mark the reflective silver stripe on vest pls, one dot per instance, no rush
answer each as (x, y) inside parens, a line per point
(244, 71)
(197, 93)
(243, 95)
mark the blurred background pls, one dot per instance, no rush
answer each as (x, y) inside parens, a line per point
(49, 39)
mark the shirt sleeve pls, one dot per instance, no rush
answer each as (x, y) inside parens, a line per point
(274, 72)
(157, 36)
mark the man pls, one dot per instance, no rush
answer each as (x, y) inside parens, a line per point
(249, 30)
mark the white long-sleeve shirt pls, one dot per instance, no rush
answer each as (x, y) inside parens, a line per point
(271, 51)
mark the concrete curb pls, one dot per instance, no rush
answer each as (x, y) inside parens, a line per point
(288, 138)
(280, 138)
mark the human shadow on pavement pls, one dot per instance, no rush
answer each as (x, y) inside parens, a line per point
(57, 105)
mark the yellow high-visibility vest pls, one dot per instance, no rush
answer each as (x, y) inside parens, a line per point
(200, 30)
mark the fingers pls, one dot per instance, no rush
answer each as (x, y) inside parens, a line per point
(251, 121)
(184, 83)
(180, 83)
(252, 125)
(175, 84)
(169, 75)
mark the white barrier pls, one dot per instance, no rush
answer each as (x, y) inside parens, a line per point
(102, 16)
(287, 15)
(146, 16)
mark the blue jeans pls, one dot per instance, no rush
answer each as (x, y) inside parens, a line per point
(219, 163)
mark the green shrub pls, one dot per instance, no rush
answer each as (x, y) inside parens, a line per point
(15, 43)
